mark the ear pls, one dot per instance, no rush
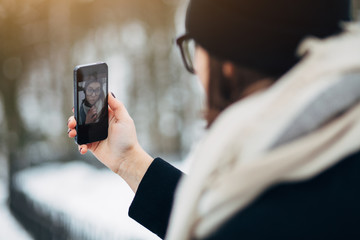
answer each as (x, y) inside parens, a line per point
(228, 69)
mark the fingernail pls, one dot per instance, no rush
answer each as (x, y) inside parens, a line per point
(69, 130)
(80, 149)
(68, 122)
(113, 94)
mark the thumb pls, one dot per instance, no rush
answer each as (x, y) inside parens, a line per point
(117, 107)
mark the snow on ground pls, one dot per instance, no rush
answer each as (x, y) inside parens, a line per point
(10, 229)
(92, 202)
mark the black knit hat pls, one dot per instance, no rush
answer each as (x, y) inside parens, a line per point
(262, 34)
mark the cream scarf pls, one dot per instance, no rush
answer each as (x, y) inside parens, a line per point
(98, 105)
(307, 122)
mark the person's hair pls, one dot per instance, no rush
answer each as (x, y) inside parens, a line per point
(261, 36)
(224, 91)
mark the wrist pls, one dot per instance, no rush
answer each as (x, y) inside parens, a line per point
(133, 168)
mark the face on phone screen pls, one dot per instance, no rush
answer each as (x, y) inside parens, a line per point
(91, 87)
(91, 94)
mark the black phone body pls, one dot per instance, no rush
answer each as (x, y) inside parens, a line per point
(91, 102)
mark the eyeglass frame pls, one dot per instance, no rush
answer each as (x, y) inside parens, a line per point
(97, 91)
(179, 43)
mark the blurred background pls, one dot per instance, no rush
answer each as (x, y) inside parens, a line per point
(41, 43)
(53, 191)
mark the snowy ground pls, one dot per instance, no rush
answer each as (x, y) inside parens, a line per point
(93, 203)
(9, 228)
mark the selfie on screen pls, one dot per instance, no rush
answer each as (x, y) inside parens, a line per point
(91, 97)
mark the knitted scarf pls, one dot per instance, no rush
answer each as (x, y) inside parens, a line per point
(302, 125)
(98, 105)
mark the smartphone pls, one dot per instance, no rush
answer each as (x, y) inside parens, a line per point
(91, 102)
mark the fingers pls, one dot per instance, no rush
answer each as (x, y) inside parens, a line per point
(117, 108)
(71, 127)
(111, 113)
(72, 133)
(94, 113)
(83, 149)
(71, 122)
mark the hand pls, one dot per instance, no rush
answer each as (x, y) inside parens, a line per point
(91, 115)
(120, 151)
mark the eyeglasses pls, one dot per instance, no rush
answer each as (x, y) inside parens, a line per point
(187, 49)
(90, 91)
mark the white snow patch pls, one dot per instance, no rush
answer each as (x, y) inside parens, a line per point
(92, 203)
(9, 227)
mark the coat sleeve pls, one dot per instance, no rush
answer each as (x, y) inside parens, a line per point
(153, 200)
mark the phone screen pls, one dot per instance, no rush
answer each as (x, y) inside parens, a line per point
(90, 102)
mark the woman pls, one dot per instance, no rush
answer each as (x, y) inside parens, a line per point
(91, 107)
(274, 164)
